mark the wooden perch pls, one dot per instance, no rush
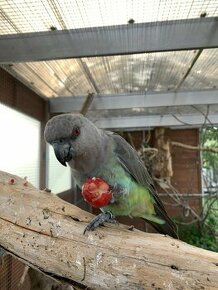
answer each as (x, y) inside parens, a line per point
(87, 103)
(47, 233)
(189, 147)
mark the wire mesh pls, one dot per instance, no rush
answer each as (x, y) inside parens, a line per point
(11, 271)
(160, 71)
(42, 15)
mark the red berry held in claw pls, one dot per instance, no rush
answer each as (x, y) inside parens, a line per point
(96, 192)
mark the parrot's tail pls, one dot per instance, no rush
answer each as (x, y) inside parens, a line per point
(166, 228)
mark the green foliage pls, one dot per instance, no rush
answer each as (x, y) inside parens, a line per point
(202, 236)
(205, 234)
(209, 138)
(209, 133)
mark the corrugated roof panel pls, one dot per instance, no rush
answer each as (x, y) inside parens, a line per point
(30, 78)
(160, 71)
(42, 15)
(54, 78)
(167, 69)
(72, 77)
(117, 74)
(204, 74)
(140, 72)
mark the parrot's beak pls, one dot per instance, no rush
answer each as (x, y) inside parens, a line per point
(63, 152)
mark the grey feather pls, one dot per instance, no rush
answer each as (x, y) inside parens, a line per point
(130, 160)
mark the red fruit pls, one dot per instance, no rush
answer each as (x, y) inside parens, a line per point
(96, 192)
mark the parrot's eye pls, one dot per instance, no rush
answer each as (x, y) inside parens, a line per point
(76, 132)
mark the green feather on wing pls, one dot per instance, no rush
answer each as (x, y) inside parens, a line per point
(131, 162)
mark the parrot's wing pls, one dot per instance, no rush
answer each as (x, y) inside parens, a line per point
(129, 159)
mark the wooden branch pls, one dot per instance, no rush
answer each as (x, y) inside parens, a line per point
(47, 233)
(87, 103)
(213, 150)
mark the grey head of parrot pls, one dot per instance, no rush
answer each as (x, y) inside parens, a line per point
(74, 138)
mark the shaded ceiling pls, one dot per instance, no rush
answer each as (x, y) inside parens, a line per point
(112, 48)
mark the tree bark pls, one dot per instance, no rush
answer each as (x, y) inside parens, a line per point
(47, 233)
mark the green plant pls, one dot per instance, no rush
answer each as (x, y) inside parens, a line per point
(202, 236)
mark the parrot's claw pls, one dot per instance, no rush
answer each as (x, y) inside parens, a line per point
(99, 220)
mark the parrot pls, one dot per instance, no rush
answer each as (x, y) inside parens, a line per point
(92, 152)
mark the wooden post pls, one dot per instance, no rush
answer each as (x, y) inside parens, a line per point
(47, 233)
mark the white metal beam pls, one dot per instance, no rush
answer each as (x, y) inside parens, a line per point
(150, 100)
(111, 40)
(148, 122)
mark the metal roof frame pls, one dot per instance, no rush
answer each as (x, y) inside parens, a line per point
(143, 101)
(126, 101)
(185, 34)
(149, 122)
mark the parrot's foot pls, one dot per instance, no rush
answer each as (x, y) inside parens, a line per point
(99, 220)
